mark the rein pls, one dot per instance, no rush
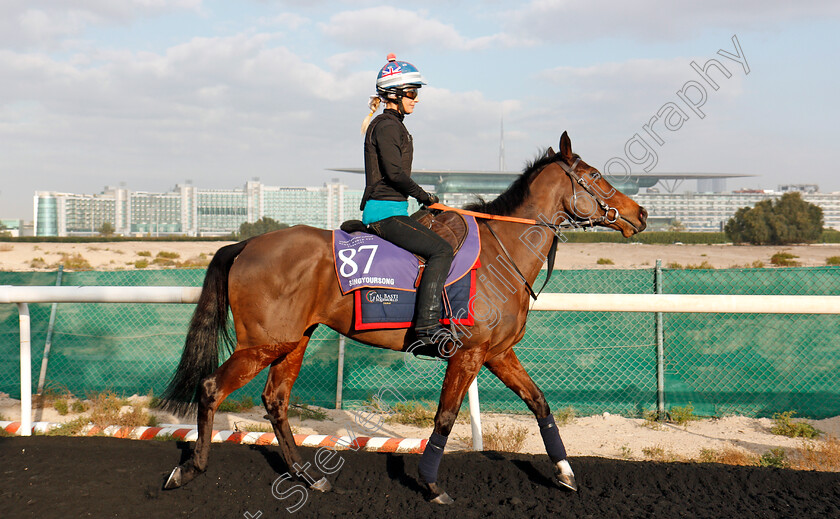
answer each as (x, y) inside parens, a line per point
(589, 222)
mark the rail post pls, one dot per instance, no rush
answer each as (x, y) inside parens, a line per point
(339, 383)
(660, 348)
(25, 371)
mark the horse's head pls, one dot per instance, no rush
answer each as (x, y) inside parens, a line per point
(590, 198)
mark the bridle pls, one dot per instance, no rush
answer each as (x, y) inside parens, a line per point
(580, 223)
(582, 182)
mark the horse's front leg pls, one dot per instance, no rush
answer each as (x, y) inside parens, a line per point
(462, 369)
(507, 367)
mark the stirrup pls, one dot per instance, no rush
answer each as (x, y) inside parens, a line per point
(435, 341)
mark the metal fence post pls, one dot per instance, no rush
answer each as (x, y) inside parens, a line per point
(660, 348)
(48, 343)
(339, 386)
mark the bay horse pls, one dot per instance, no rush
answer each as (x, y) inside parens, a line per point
(281, 285)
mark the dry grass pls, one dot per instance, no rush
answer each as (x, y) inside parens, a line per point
(565, 416)
(818, 455)
(729, 455)
(605, 261)
(505, 438)
(38, 263)
(659, 453)
(420, 414)
(832, 261)
(73, 261)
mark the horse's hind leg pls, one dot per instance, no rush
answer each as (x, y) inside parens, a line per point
(234, 373)
(281, 378)
(510, 371)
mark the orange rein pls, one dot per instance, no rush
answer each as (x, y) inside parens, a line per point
(485, 216)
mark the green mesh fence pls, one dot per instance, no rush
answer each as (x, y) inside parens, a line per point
(754, 365)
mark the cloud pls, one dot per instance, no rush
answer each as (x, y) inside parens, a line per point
(44, 23)
(368, 28)
(647, 20)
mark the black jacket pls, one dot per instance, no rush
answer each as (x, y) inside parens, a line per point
(388, 154)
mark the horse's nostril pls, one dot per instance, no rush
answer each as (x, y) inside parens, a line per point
(643, 213)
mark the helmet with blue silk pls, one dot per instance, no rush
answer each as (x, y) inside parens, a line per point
(396, 77)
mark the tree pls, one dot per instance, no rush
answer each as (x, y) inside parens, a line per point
(261, 226)
(790, 219)
(106, 229)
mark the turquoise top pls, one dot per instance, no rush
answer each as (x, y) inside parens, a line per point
(376, 210)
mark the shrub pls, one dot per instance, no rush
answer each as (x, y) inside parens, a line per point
(232, 406)
(168, 255)
(784, 259)
(38, 263)
(789, 219)
(605, 261)
(833, 261)
(682, 415)
(144, 253)
(565, 416)
(774, 458)
(784, 425)
(141, 264)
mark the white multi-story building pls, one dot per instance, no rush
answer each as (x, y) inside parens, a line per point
(193, 211)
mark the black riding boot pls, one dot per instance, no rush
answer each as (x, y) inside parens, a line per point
(434, 339)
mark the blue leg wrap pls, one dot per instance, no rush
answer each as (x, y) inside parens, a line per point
(551, 439)
(430, 461)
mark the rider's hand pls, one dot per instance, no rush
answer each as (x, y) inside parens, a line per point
(432, 199)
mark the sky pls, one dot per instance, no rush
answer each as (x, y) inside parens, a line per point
(153, 93)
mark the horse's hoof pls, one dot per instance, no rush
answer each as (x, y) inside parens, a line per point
(175, 479)
(564, 476)
(567, 481)
(322, 485)
(437, 495)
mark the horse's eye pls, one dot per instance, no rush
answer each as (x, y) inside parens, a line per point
(596, 175)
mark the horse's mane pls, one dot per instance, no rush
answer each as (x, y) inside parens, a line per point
(515, 195)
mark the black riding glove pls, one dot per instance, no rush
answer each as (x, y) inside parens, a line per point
(430, 199)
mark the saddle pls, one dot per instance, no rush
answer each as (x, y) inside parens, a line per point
(449, 225)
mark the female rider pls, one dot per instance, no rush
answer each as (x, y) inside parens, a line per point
(388, 155)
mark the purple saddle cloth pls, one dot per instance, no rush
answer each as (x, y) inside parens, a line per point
(365, 260)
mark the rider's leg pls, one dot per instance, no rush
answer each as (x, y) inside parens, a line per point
(418, 239)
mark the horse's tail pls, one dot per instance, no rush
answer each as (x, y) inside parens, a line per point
(208, 332)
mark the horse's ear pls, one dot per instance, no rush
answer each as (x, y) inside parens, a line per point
(549, 152)
(565, 146)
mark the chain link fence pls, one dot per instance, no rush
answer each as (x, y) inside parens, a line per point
(751, 364)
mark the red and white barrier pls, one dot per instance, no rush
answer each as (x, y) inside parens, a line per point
(369, 444)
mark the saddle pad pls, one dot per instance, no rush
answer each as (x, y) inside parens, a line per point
(378, 308)
(365, 260)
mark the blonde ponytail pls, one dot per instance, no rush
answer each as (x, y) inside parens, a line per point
(373, 104)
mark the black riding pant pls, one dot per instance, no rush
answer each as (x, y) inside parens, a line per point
(410, 235)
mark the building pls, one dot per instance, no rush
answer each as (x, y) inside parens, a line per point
(189, 210)
(706, 209)
(192, 211)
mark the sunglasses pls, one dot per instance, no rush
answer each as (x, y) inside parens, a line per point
(411, 94)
